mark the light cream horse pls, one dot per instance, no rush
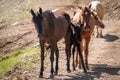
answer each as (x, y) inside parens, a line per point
(98, 10)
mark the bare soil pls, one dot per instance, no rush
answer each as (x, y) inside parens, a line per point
(104, 52)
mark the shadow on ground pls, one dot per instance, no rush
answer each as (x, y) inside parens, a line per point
(110, 38)
(96, 72)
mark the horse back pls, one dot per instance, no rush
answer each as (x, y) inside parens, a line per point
(59, 28)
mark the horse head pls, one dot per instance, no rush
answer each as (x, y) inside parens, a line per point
(84, 18)
(98, 20)
(37, 19)
(76, 31)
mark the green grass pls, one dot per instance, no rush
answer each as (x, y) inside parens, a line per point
(17, 58)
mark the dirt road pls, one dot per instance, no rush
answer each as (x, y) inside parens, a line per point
(104, 59)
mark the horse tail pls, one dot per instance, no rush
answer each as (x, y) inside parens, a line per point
(67, 17)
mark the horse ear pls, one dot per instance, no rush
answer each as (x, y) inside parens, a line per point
(32, 12)
(40, 10)
(89, 6)
(79, 7)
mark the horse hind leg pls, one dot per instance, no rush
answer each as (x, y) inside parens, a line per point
(57, 58)
(101, 35)
(67, 50)
(81, 57)
(73, 52)
(68, 59)
(52, 60)
(97, 32)
(78, 62)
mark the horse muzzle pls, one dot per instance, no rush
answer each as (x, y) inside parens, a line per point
(102, 25)
(87, 28)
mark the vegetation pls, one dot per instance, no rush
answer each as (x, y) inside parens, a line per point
(17, 58)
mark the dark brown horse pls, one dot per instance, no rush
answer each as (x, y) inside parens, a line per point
(51, 27)
(76, 39)
(85, 17)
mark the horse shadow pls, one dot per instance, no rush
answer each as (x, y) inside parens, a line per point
(110, 38)
(96, 72)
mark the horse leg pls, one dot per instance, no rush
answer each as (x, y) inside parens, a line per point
(78, 62)
(52, 59)
(86, 51)
(82, 50)
(68, 58)
(97, 32)
(57, 58)
(67, 50)
(73, 52)
(81, 57)
(42, 58)
(101, 35)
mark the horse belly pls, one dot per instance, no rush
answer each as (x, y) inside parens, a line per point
(59, 33)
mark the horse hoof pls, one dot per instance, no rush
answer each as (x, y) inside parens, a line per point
(51, 76)
(74, 69)
(40, 76)
(85, 71)
(101, 36)
(97, 36)
(80, 67)
(68, 71)
(56, 73)
(87, 67)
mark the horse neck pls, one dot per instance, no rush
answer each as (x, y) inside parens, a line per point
(48, 23)
(92, 23)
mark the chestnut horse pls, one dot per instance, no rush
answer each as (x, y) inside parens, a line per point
(85, 17)
(51, 27)
(97, 9)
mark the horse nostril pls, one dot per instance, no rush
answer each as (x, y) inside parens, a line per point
(87, 27)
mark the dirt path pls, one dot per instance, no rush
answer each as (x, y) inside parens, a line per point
(104, 54)
(104, 60)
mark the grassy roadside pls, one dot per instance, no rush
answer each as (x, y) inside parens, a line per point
(17, 58)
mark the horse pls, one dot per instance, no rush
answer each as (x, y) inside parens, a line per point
(84, 16)
(75, 40)
(51, 27)
(97, 8)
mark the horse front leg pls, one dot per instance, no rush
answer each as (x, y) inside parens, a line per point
(42, 58)
(57, 58)
(52, 59)
(101, 35)
(81, 57)
(86, 52)
(77, 59)
(73, 52)
(97, 28)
